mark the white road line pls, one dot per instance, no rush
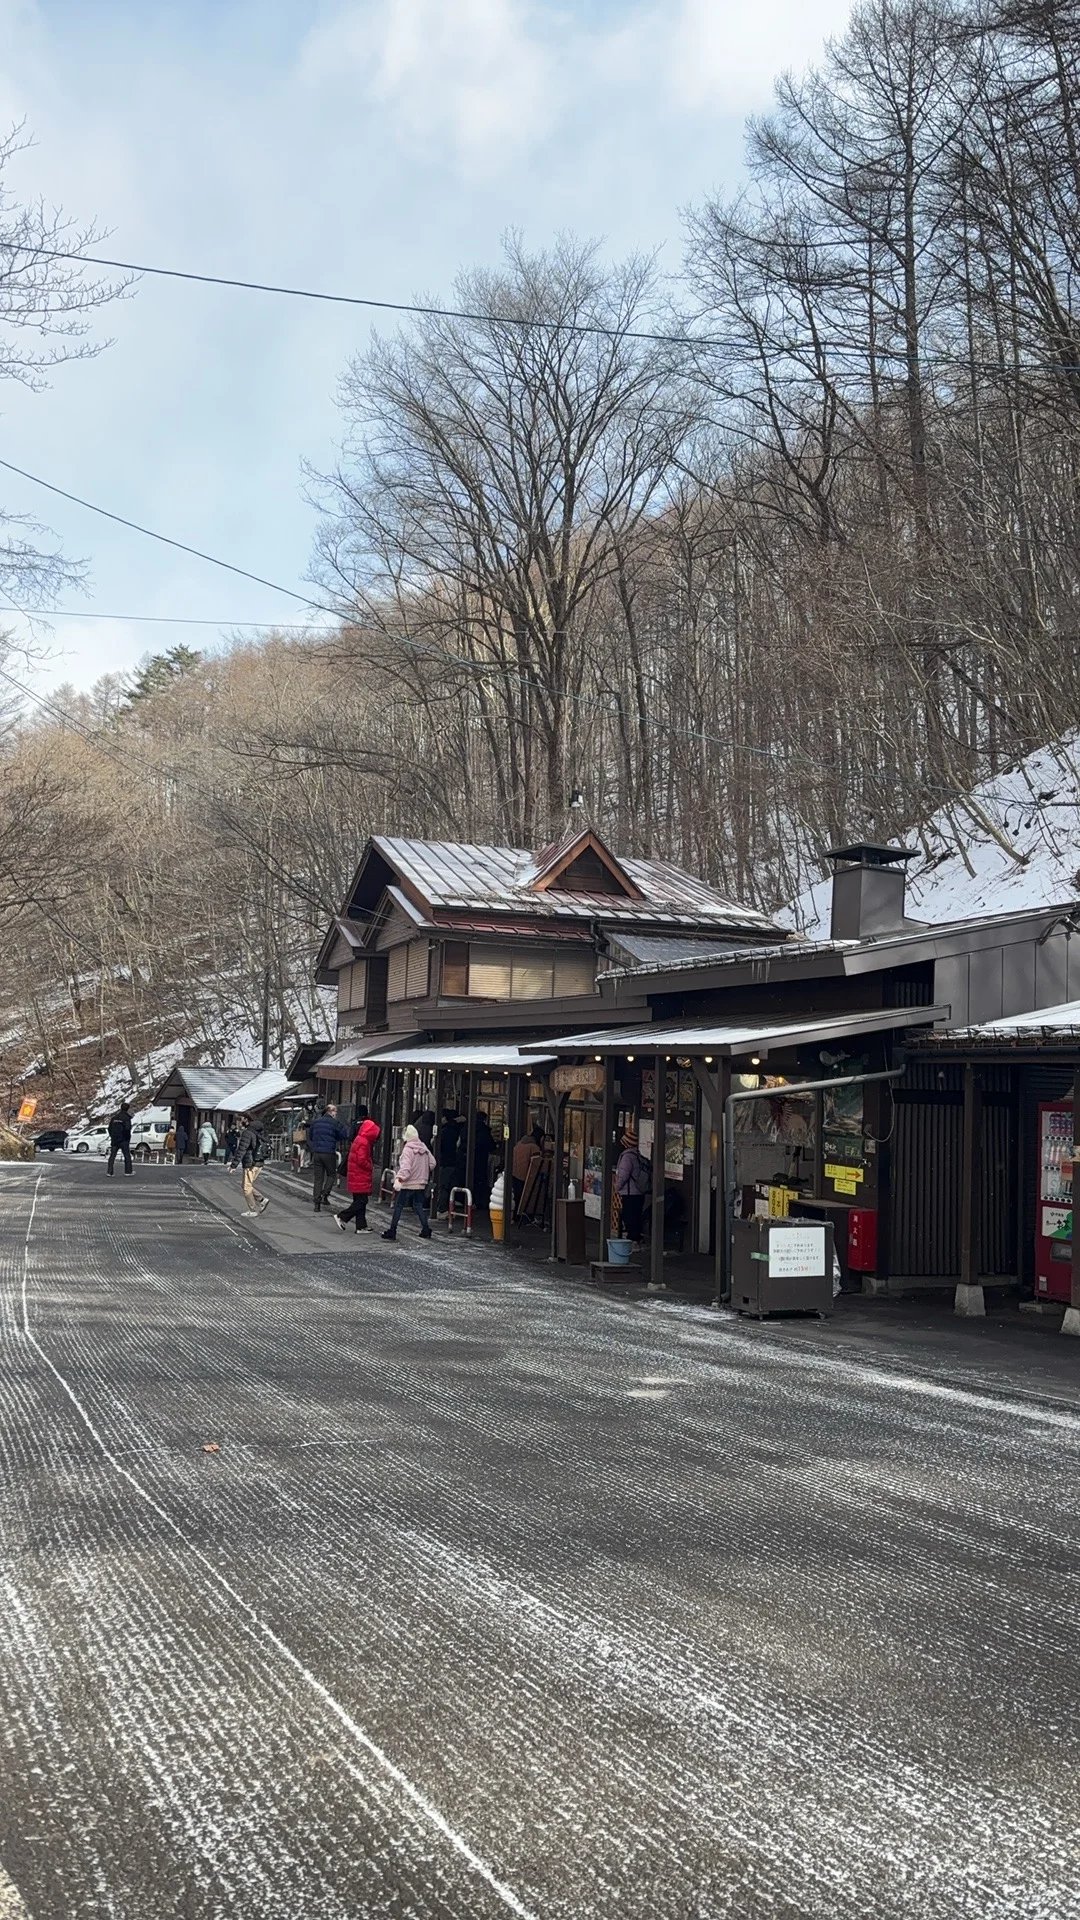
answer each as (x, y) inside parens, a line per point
(259, 1629)
(11, 1906)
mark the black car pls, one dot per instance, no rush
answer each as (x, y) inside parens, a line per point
(51, 1141)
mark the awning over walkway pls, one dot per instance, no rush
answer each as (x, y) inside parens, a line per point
(354, 1054)
(224, 1089)
(729, 1039)
(1043, 1030)
(260, 1091)
(466, 1053)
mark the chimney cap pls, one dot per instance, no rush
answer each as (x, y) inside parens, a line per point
(867, 855)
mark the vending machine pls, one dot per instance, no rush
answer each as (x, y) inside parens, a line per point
(1053, 1225)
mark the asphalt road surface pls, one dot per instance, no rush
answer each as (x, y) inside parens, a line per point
(503, 1597)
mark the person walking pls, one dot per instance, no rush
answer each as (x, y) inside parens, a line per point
(360, 1173)
(250, 1154)
(207, 1142)
(633, 1180)
(325, 1135)
(120, 1138)
(424, 1121)
(181, 1142)
(414, 1169)
(231, 1139)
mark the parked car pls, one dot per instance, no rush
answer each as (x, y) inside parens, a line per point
(148, 1138)
(52, 1140)
(88, 1140)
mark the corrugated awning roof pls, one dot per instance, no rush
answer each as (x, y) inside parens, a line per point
(1057, 1025)
(259, 1090)
(354, 1053)
(729, 1039)
(466, 1053)
(205, 1087)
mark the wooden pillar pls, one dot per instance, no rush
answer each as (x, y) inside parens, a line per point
(656, 1249)
(1071, 1321)
(556, 1161)
(607, 1169)
(470, 1129)
(970, 1299)
(715, 1088)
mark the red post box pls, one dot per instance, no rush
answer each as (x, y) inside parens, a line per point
(862, 1240)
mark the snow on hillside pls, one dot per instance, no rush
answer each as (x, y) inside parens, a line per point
(1013, 842)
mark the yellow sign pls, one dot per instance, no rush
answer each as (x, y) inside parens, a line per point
(779, 1202)
(838, 1172)
(845, 1186)
(27, 1111)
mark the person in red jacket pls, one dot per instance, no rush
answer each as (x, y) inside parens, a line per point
(359, 1175)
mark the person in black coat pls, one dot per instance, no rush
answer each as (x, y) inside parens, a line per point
(120, 1138)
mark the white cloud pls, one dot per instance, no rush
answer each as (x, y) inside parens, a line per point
(475, 72)
(727, 53)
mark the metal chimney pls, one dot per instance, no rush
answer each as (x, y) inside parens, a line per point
(868, 890)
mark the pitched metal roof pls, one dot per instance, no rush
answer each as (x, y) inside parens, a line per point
(453, 874)
(496, 1054)
(731, 1038)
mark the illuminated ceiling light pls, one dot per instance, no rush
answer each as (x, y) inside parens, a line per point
(630, 1056)
(598, 1056)
(708, 1059)
(755, 1060)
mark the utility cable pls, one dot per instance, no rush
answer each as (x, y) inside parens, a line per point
(529, 322)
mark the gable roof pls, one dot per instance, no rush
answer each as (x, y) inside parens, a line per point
(451, 876)
(556, 863)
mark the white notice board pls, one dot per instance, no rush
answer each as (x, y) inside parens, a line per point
(796, 1253)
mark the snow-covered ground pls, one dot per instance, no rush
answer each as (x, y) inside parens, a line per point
(1014, 842)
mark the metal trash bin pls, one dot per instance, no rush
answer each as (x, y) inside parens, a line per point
(782, 1266)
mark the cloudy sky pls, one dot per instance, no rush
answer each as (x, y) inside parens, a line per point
(360, 146)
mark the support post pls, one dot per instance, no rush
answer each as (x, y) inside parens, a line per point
(470, 1129)
(556, 1163)
(1071, 1320)
(656, 1246)
(970, 1299)
(715, 1090)
(608, 1164)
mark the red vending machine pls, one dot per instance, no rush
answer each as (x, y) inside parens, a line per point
(1053, 1225)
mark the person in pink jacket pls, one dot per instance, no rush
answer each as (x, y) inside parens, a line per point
(414, 1169)
(359, 1176)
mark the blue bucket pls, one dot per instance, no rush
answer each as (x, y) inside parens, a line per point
(619, 1251)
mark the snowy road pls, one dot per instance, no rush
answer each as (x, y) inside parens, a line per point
(504, 1598)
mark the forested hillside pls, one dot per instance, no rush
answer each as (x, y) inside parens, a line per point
(782, 549)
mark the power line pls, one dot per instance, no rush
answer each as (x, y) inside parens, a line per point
(360, 300)
(927, 356)
(161, 619)
(166, 540)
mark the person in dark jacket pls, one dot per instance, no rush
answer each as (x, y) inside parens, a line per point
(120, 1138)
(249, 1155)
(360, 1174)
(424, 1121)
(181, 1142)
(483, 1148)
(449, 1139)
(325, 1137)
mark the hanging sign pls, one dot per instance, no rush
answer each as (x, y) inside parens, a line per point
(590, 1078)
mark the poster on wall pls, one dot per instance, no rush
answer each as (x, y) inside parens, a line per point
(673, 1150)
(592, 1182)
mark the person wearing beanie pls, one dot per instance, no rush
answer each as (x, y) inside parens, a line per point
(633, 1178)
(415, 1167)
